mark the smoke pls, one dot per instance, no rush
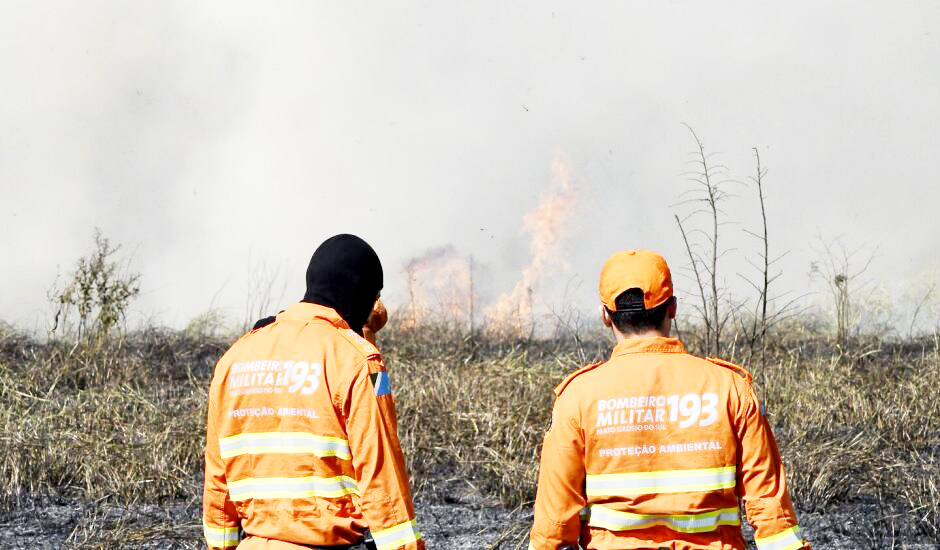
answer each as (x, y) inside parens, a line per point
(439, 284)
(514, 313)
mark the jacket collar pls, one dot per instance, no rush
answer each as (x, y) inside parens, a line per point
(305, 311)
(657, 344)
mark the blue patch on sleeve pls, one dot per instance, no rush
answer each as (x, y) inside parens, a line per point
(381, 383)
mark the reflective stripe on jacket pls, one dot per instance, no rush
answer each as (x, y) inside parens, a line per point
(653, 448)
(302, 445)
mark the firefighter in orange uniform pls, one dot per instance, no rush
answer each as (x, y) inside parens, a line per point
(654, 447)
(302, 449)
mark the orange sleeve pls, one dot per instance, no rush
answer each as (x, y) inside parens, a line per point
(372, 430)
(220, 523)
(560, 495)
(762, 483)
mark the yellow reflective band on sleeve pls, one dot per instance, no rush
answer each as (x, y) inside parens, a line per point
(221, 537)
(397, 536)
(283, 442)
(666, 481)
(613, 520)
(291, 487)
(784, 540)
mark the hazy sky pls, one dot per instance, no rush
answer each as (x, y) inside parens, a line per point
(211, 138)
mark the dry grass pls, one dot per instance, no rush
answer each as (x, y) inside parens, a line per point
(120, 428)
(860, 425)
(476, 420)
(116, 427)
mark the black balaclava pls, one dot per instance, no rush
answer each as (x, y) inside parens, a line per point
(346, 275)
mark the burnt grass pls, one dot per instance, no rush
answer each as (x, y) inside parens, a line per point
(102, 439)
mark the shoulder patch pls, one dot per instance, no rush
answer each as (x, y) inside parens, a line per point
(564, 383)
(381, 385)
(729, 365)
(366, 347)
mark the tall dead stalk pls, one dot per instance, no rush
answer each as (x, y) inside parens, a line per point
(708, 194)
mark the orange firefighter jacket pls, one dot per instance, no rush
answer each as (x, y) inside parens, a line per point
(652, 449)
(302, 444)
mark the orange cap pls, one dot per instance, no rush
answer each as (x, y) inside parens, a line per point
(640, 269)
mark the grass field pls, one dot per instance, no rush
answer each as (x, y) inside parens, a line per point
(102, 443)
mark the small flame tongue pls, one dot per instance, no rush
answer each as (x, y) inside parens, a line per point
(513, 312)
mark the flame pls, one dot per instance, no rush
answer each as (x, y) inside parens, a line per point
(513, 312)
(440, 286)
